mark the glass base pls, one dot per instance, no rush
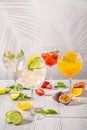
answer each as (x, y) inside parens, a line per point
(34, 116)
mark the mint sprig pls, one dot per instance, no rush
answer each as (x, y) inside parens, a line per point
(48, 111)
(18, 87)
(60, 85)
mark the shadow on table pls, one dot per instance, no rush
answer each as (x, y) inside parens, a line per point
(84, 94)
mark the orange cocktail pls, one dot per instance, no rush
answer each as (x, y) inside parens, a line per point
(70, 64)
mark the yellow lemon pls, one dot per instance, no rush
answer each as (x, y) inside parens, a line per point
(25, 105)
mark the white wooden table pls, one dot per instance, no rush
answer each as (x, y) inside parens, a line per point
(70, 117)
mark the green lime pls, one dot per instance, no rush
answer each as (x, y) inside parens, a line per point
(7, 90)
(14, 117)
(15, 95)
(9, 55)
(20, 54)
(36, 63)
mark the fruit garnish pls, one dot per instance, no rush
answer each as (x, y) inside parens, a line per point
(60, 85)
(43, 85)
(79, 85)
(57, 95)
(48, 111)
(70, 56)
(16, 95)
(5, 90)
(54, 52)
(2, 91)
(49, 86)
(65, 99)
(35, 62)
(14, 117)
(9, 55)
(76, 91)
(25, 105)
(20, 54)
(40, 92)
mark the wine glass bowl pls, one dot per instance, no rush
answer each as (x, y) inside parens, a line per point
(31, 72)
(70, 64)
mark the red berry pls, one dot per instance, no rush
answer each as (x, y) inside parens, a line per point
(44, 84)
(49, 86)
(40, 92)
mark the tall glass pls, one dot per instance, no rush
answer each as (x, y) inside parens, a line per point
(10, 59)
(70, 64)
(31, 73)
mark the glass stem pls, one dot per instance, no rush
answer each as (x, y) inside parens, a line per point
(14, 77)
(70, 82)
(32, 112)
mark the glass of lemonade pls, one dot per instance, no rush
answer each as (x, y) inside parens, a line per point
(70, 64)
(10, 59)
(31, 73)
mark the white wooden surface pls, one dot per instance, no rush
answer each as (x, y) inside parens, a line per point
(70, 117)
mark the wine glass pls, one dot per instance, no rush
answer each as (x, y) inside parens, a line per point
(50, 57)
(31, 72)
(10, 59)
(70, 64)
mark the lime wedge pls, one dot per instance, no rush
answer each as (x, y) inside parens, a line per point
(20, 54)
(15, 95)
(9, 55)
(36, 63)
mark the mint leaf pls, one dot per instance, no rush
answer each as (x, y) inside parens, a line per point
(60, 85)
(48, 111)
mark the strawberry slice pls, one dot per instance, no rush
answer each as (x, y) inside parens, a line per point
(44, 84)
(40, 92)
(49, 86)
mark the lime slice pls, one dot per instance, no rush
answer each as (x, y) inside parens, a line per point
(9, 55)
(14, 117)
(2, 91)
(7, 90)
(20, 54)
(32, 57)
(15, 95)
(36, 63)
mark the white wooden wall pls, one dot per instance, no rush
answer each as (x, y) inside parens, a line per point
(36, 24)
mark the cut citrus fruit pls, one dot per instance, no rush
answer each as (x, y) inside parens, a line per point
(15, 95)
(76, 91)
(35, 62)
(20, 54)
(79, 85)
(32, 57)
(9, 55)
(2, 91)
(71, 55)
(24, 105)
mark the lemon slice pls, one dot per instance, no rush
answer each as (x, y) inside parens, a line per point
(20, 54)
(24, 105)
(15, 95)
(9, 55)
(2, 91)
(35, 62)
